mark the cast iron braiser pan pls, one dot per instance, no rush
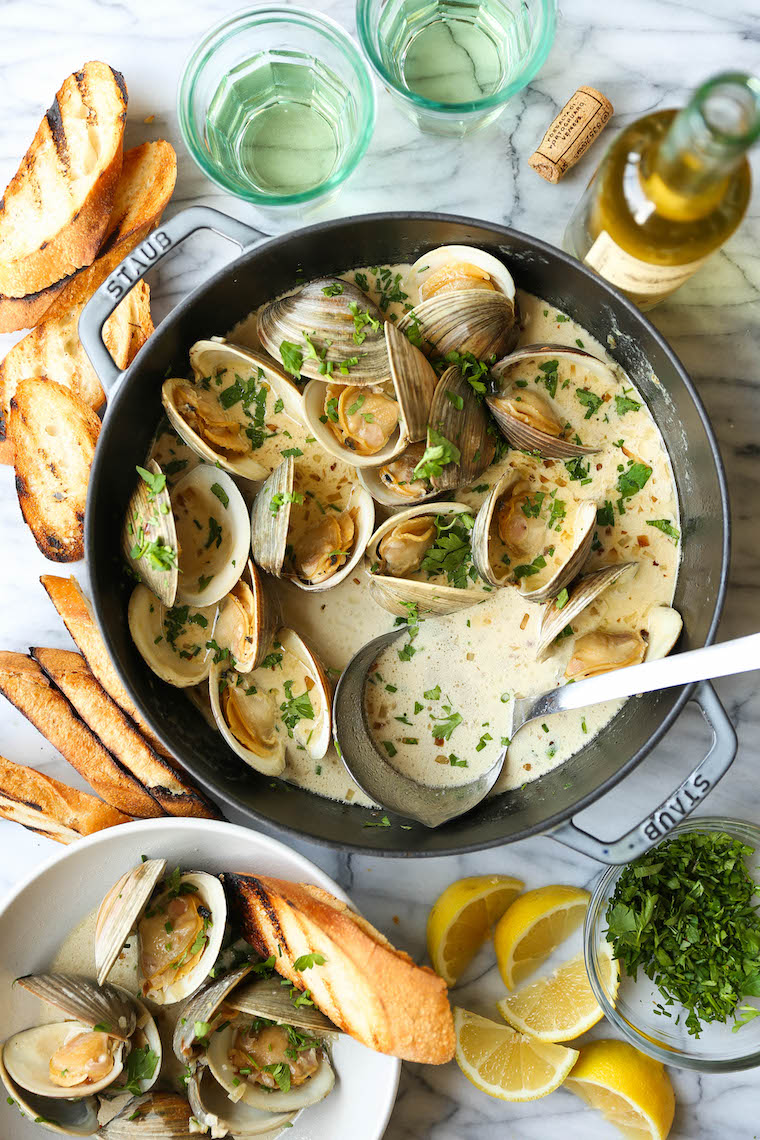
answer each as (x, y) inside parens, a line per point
(261, 272)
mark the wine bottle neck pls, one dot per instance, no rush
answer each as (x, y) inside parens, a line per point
(709, 138)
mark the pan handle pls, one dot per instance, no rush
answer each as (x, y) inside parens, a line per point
(133, 268)
(678, 805)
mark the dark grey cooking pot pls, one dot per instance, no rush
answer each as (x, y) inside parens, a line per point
(270, 267)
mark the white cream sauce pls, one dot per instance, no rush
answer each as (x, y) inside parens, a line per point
(483, 656)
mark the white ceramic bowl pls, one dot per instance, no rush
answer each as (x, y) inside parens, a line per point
(37, 916)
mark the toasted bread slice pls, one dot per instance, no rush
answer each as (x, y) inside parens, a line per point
(74, 608)
(55, 810)
(71, 673)
(53, 351)
(26, 686)
(53, 435)
(371, 991)
(55, 211)
(147, 183)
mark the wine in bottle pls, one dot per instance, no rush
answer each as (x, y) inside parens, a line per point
(671, 189)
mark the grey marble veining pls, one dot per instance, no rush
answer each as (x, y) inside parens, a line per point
(644, 55)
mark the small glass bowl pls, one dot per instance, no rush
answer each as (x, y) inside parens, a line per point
(283, 35)
(522, 29)
(719, 1049)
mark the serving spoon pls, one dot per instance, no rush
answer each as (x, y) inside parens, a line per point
(432, 806)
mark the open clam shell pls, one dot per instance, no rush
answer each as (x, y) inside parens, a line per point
(128, 907)
(248, 618)
(86, 1002)
(563, 554)
(664, 625)
(331, 323)
(466, 303)
(586, 590)
(211, 519)
(149, 535)
(526, 416)
(155, 1116)
(316, 731)
(171, 640)
(395, 592)
(267, 997)
(27, 1056)
(325, 549)
(246, 716)
(120, 910)
(201, 1010)
(368, 427)
(76, 1117)
(221, 1116)
(145, 1037)
(460, 417)
(311, 1091)
(209, 418)
(393, 484)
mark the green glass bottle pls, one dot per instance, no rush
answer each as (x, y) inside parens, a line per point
(670, 190)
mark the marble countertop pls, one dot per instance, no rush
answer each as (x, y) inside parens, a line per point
(644, 55)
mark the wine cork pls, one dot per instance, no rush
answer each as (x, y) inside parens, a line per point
(581, 120)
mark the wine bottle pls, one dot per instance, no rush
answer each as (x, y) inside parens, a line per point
(671, 189)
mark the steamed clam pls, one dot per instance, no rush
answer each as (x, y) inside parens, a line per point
(260, 1053)
(525, 384)
(408, 565)
(325, 330)
(370, 425)
(459, 440)
(526, 536)
(601, 651)
(248, 618)
(394, 484)
(190, 545)
(567, 606)
(172, 640)
(287, 697)
(174, 925)
(294, 535)
(467, 304)
(54, 1071)
(230, 409)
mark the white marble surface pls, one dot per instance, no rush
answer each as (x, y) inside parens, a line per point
(645, 55)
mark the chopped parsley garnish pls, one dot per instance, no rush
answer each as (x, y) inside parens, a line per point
(577, 469)
(158, 554)
(666, 527)
(156, 483)
(294, 451)
(432, 694)
(455, 400)
(444, 729)
(281, 497)
(334, 290)
(141, 1065)
(271, 661)
(550, 375)
(451, 552)
(412, 622)
(389, 747)
(624, 404)
(214, 533)
(382, 822)
(526, 570)
(294, 709)
(307, 961)
(362, 321)
(686, 914)
(562, 599)
(221, 494)
(590, 401)
(605, 516)
(474, 371)
(438, 454)
(631, 481)
(292, 358)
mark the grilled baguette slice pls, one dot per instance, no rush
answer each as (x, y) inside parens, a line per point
(71, 673)
(53, 351)
(147, 180)
(74, 609)
(53, 434)
(26, 686)
(55, 211)
(50, 808)
(371, 991)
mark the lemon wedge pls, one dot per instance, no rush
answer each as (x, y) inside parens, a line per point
(461, 919)
(632, 1091)
(533, 926)
(562, 1005)
(505, 1064)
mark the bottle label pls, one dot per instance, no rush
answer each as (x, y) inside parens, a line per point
(641, 278)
